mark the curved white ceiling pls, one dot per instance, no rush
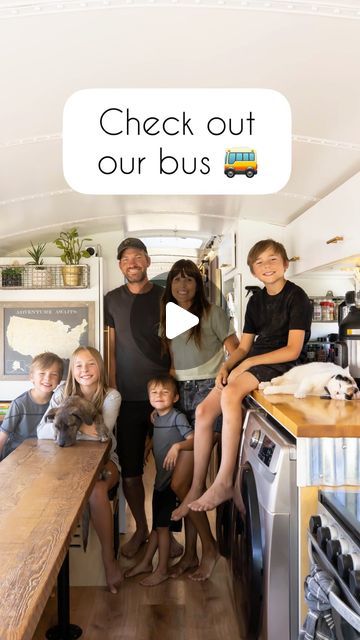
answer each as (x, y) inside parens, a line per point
(309, 51)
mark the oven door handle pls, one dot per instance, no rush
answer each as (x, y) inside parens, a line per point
(344, 611)
(339, 605)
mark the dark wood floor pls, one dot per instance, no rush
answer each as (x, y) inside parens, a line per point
(178, 608)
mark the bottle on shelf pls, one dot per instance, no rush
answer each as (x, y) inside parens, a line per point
(316, 311)
(327, 310)
(321, 349)
(322, 355)
(331, 354)
(331, 310)
(324, 310)
(330, 305)
(310, 353)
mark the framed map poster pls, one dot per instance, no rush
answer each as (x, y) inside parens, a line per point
(30, 328)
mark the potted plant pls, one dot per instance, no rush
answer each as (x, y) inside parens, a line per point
(72, 252)
(12, 276)
(41, 277)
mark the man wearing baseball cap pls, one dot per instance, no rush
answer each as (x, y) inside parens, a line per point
(127, 243)
(132, 313)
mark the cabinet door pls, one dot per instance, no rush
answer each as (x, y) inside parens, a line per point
(227, 252)
(328, 232)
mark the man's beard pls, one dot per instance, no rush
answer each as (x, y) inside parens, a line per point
(140, 276)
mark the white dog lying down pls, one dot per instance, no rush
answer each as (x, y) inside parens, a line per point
(315, 378)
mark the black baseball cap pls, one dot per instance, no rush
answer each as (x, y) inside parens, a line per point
(135, 243)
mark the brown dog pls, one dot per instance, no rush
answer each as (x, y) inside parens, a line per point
(69, 417)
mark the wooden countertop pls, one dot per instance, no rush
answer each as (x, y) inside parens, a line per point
(43, 491)
(313, 417)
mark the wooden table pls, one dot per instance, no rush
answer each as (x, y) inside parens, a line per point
(43, 491)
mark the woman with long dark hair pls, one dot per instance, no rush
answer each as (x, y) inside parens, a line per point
(196, 357)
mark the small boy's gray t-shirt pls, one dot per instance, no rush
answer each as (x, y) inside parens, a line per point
(168, 429)
(21, 421)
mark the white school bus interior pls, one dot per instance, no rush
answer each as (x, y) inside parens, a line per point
(309, 52)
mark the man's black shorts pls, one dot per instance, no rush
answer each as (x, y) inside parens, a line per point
(133, 425)
(163, 504)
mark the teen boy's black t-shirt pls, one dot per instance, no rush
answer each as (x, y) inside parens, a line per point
(139, 356)
(271, 318)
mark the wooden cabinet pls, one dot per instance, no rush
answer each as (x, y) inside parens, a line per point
(328, 232)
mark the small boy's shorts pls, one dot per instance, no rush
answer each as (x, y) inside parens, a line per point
(163, 504)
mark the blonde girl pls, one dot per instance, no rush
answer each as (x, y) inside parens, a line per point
(86, 378)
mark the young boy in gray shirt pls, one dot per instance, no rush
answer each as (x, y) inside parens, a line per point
(172, 434)
(26, 411)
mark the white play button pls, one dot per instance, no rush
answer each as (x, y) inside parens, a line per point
(178, 320)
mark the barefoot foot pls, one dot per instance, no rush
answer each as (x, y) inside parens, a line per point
(130, 548)
(206, 566)
(183, 565)
(141, 567)
(214, 496)
(176, 549)
(114, 576)
(154, 579)
(183, 509)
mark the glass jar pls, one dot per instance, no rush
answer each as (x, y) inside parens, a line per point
(322, 355)
(331, 306)
(310, 355)
(324, 310)
(316, 311)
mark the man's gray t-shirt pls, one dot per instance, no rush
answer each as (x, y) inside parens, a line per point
(168, 429)
(139, 352)
(21, 421)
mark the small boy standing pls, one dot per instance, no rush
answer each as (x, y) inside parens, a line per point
(26, 411)
(172, 434)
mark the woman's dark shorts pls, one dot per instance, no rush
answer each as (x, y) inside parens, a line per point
(191, 393)
(133, 425)
(163, 504)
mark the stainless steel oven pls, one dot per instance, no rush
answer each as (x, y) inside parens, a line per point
(334, 545)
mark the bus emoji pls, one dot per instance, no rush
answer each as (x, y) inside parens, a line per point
(240, 161)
